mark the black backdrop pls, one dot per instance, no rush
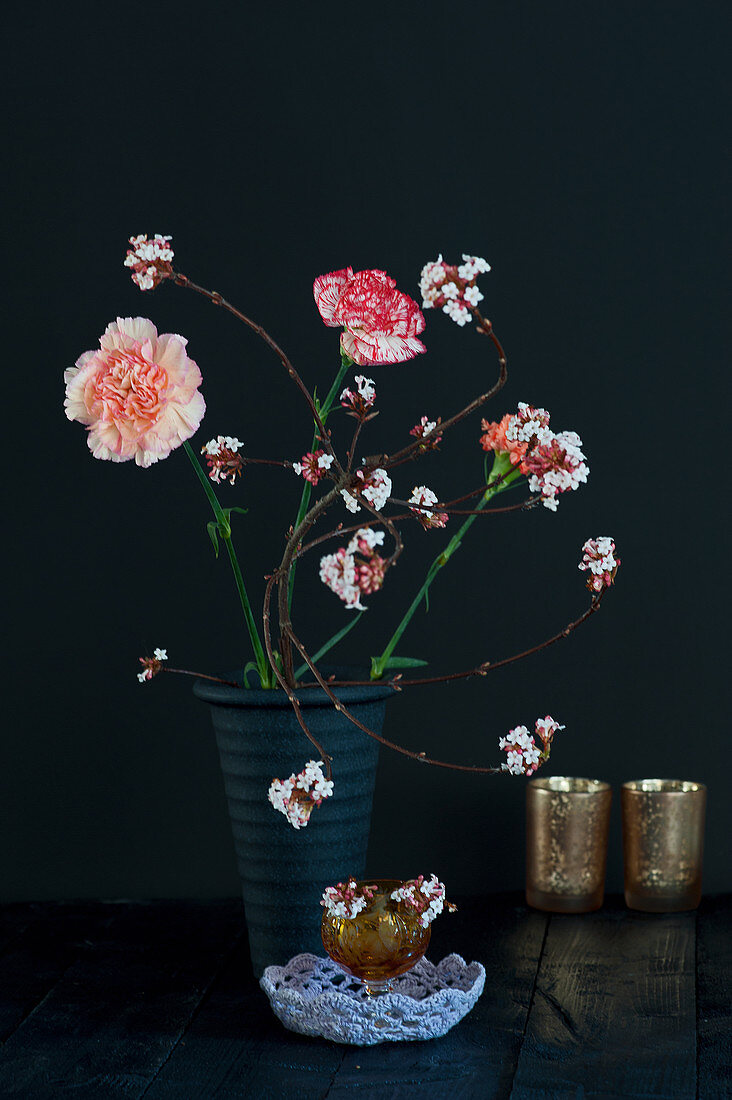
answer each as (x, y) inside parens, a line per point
(579, 148)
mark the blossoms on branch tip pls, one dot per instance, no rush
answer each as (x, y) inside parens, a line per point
(297, 796)
(428, 898)
(358, 404)
(523, 756)
(427, 431)
(423, 496)
(599, 560)
(137, 393)
(356, 569)
(374, 487)
(150, 260)
(151, 666)
(347, 899)
(313, 466)
(555, 466)
(381, 324)
(221, 456)
(452, 287)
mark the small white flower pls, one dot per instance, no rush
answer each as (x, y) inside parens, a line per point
(325, 462)
(160, 654)
(351, 503)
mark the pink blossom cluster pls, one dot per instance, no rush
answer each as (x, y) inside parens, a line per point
(452, 288)
(297, 796)
(599, 560)
(222, 459)
(347, 899)
(427, 432)
(150, 260)
(151, 666)
(137, 393)
(424, 497)
(523, 756)
(381, 325)
(555, 465)
(428, 898)
(375, 488)
(358, 404)
(356, 569)
(313, 466)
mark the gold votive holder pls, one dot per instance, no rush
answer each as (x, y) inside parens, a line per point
(663, 844)
(567, 821)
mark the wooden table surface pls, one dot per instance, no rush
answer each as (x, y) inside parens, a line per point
(123, 999)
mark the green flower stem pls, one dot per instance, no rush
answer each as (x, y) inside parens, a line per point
(324, 410)
(499, 468)
(266, 676)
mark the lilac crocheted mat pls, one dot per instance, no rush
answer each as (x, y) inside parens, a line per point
(313, 996)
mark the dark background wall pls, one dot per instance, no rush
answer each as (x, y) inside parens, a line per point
(576, 146)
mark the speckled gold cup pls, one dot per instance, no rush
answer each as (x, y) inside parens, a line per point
(663, 844)
(567, 822)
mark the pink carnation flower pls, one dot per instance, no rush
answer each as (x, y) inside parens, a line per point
(137, 393)
(381, 324)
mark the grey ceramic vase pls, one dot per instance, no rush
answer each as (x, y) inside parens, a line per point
(285, 870)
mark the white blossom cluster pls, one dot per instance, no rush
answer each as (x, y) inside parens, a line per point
(376, 489)
(344, 575)
(427, 897)
(529, 424)
(599, 559)
(522, 755)
(452, 288)
(423, 496)
(215, 446)
(151, 665)
(322, 462)
(556, 466)
(297, 796)
(366, 391)
(343, 903)
(144, 258)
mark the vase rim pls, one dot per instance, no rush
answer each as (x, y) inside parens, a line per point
(225, 695)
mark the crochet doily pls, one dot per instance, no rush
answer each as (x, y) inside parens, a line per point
(314, 996)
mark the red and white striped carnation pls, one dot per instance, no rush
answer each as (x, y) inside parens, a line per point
(599, 561)
(222, 459)
(424, 498)
(313, 466)
(453, 287)
(427, 897)
(381, 324)
(356, 569)
(298, 796)
(150, 260)
(347, 899)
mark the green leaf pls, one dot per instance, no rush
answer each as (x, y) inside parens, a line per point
(404, 662)
(248, 667)
(328, 645)
(213, 531)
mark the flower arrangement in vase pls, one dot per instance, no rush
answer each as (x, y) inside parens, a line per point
(138, 395)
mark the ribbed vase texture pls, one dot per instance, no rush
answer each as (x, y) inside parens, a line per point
(284, 871)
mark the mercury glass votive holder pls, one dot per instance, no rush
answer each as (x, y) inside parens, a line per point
(382, 941)
(567, 821)
(663, 844)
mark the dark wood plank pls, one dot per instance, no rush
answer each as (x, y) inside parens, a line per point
(614, 1009)
(113, 1017)
(236, 1048)
(714, 999)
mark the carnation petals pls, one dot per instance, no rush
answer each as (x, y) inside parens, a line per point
(381, 324)
(137, 393)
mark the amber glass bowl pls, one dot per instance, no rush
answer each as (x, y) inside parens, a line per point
(384, 940)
